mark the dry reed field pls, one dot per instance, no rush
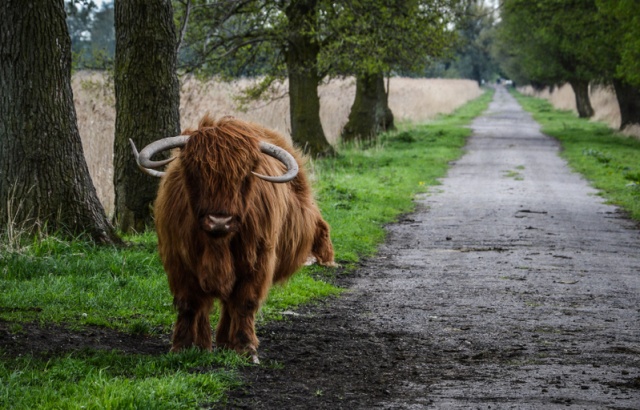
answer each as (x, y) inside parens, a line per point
(603, 100)
(411, 100)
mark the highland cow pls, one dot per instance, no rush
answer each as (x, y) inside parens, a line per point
(234, 214)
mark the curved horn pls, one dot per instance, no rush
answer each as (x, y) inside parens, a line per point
(283, 156)
(143, 158)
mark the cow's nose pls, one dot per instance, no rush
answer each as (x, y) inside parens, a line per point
(217, 224)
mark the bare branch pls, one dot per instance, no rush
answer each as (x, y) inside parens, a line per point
(183, 28)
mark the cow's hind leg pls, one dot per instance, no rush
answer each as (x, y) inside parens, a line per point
(322, 247)
(192, 327)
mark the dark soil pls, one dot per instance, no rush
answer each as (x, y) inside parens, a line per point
(56, 340)
(512, 287)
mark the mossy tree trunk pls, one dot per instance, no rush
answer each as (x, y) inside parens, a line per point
(44, 178)
(370, 113)
(583, 103)
(629, 102)
(301, 54)
(147, 101)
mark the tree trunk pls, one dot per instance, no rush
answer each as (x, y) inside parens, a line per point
(147, 101)
(370, 113)
(629, 102)
(301, 56)
(583, 103)
(44, 179)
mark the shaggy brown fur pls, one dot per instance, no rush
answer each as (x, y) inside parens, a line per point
(272, 229)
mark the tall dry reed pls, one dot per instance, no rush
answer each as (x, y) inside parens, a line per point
(414, 100)
(94, 100)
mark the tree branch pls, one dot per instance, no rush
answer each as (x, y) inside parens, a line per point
(183, 29)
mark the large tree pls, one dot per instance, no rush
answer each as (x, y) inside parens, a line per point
(147, 100)
(555, 42)
(44, 179)
(278, 39)
(371, 39)
(619, 59)
(301, 50)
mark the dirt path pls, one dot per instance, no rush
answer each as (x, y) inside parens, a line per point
(513, 286)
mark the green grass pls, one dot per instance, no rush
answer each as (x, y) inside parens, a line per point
(47, 280)
(98, 380)
(609, 160)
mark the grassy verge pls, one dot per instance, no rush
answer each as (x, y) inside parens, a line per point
(81, 285)
(609, 160)
(111, 380)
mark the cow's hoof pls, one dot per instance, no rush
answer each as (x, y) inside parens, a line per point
(249, 352)
(178, 348)
(252, 354)
(254, 358)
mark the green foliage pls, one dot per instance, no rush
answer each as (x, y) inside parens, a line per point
(79, 284)
(231, 39)
(92, 34)
(610, 161)
(547, 42)
(356, 37)
(368, 37)
(624, 36)
(473, 55)
(554, 41)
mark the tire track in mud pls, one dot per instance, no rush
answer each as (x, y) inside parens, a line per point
(512, 286)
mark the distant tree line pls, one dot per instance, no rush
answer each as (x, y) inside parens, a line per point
(469, 56)
(579, 42)
(472, 55)
(92, 32)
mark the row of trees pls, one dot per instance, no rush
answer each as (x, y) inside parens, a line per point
(580, 42)
(306, 41)
(44, 178)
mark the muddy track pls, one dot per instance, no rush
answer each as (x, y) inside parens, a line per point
(512, 286)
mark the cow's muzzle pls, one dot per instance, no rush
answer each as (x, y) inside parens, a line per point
(217, 225)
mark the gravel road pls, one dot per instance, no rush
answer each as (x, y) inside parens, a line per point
(512, 286)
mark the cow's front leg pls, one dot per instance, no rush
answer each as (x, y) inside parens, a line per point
(202, 337)
(243, 306)
(224, 326)
(192, 326)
